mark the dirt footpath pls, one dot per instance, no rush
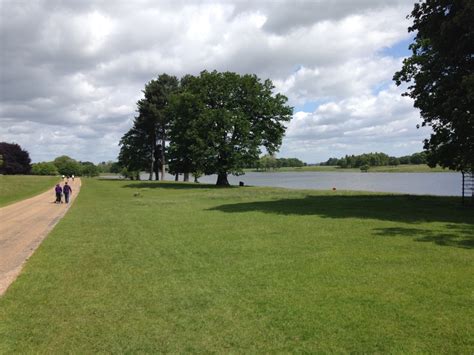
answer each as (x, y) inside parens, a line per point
(24, 225)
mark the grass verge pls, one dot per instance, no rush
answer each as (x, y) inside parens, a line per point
(15, 188)
(163, 267)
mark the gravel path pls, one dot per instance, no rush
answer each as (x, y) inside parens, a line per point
(23, 226)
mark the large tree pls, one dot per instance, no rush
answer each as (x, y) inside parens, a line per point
(15, 160)
(153, 119)
(233, 117)
(185, 153)
(67, 166)
(441, 76)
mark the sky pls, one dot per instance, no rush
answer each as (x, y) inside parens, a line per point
(72, 71)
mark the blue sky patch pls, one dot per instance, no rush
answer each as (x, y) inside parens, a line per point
(309, 106)
(398, 50)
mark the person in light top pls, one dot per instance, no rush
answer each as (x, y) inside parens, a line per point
(67, 191)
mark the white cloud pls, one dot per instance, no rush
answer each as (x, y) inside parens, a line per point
(71, 72)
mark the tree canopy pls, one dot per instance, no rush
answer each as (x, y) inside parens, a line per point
(44, 168)
(440, 72)
(375, 159)
(229, 119)
(15, 160)
(67, 166)
(143, 147)
(215, 123)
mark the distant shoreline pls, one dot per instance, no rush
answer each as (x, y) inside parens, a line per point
(420, 168)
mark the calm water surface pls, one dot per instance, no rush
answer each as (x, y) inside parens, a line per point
(441, 184)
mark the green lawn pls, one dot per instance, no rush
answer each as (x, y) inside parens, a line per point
(162, 267)
(14, 188)
(421, 168)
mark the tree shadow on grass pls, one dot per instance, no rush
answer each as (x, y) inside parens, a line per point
(173, 185)
(398, 208)
(461, 236)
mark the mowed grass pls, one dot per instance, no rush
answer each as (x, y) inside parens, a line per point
(416, 168)
(164, 267)
(14, 188)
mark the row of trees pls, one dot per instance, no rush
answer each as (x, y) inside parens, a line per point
(268, 162)
(65, 165)
(14, 160)
(214, 123)
(109, 167)
(376, 159)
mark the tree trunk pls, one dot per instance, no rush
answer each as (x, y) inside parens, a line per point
(176, 177)
(186, 177)
(222, 180)
(163, 158)
(157, 170)
(152, 164)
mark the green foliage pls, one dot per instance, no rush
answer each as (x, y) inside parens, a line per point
(115, 168)
(440, 72)
(364, 168)
(228, 117)
(89, 169)
(267, 162)
(216, 124)
(246, 270)
(67, 166)
(135, 153)
(185, 155)
(375, 159)
(289, 162)
(44, 168)
(143, 146)
(15, 160)
(130, 174)
(107, 167)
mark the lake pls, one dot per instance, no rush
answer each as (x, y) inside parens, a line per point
(440, 184)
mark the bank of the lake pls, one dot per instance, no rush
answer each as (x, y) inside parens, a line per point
(162, 267)
(404, 168)
(437, 184)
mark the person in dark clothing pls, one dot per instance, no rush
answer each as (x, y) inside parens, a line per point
(59, 192)
(67, 190)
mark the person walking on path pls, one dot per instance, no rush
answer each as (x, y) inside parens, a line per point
(59, 192)
(67, 190)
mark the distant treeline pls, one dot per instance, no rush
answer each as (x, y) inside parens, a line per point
(375, 159)
(15, 160)
(268, 162)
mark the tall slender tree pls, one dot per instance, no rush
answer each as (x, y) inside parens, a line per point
(149, 132)
(184, 153)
